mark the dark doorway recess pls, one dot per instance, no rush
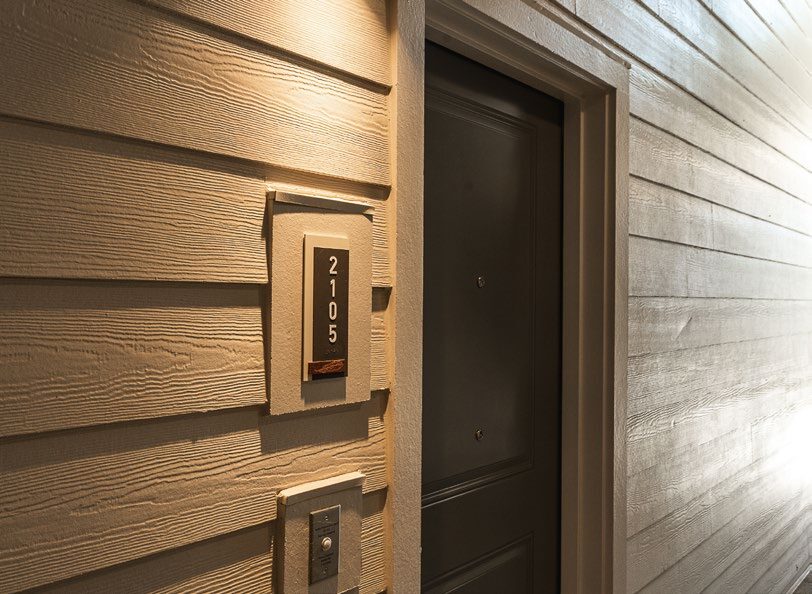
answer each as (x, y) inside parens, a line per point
(492, 332)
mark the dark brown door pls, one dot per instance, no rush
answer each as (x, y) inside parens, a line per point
(492, 332)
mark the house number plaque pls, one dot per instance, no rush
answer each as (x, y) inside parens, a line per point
(326, 307)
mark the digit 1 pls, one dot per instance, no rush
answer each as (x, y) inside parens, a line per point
(333, 288)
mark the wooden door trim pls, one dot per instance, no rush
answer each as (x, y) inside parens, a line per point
(544, 46)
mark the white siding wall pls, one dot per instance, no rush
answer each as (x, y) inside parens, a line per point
(720, 275)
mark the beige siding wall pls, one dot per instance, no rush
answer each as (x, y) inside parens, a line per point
(137, 143)
(720, 305)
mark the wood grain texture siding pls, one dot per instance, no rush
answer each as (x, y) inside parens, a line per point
(131, 491)
(664, 159)
(128, 69)
(698, 26)
(775, 15)
(660, 102)
(668, 421)
(786, 569)
(80, 206)
(699, 424)
(658, 324)
(349, 36)
(84, 353)
(786, 528)
(656, 491)
(238, 562)
(695, 272)
(125, 210)
(745, 23)
(706, 528)
(652, 42)
(658, 212)
(719, 309)
(89, 353)
(373, 547)
(680, 385)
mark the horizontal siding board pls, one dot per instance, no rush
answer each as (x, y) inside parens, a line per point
(703, 424)
(658, 490)
(661, 269)
(658, 101)
(651, 41)
(741, 575)
(801, 13)
(746, 24)
(699, 27)
(662, 158)
(130, 70)
(766, 504)
(660, 559)
(668, 388)
(84, 353)
(775, 15)
(658, 324)
(80, 501)
(348, 36)
(786, 569)
(725, 388)
(126, 210)
(80, 206)
(237, 562)
(659, 212)
(89, 353)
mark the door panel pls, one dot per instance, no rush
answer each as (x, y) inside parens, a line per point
(507, 570)
(478, 233)
(492, 329)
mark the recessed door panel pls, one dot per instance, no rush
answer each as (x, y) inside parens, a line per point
(507, 570)
(479, 235)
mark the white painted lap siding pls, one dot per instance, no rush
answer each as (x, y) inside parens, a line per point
(137, 142)
(720, 307)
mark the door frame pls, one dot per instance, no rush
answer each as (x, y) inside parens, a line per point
(546, 47)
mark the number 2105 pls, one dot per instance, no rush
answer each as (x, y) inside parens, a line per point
(332, 306)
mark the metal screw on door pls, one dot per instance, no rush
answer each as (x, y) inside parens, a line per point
(479, 434)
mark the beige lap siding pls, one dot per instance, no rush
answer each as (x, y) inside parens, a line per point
(138, 141)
